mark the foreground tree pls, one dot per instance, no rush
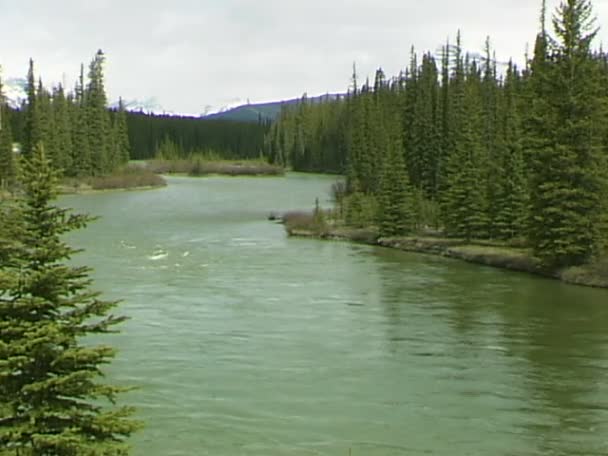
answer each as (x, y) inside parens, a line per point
(51, 400)
(568, 156)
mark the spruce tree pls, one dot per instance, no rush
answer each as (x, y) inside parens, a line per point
(81, 149)
(396, 217)
(32, 133)
(568, 218)
(425, 149)
(51, 399)
(97, 117)
(46, 123)
(511, 198)
(464, 201)
(62, 158)
(7, 159)
(121, 135)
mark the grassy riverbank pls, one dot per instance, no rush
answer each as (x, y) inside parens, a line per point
(129, 178)
(498, 255)
(197, 166)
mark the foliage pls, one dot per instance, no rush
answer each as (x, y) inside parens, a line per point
(51, 399)
(518, 155)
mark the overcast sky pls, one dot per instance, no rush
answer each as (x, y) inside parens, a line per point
(190, 54)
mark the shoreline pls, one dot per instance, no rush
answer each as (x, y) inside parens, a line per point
(509, 258)
(88, 190)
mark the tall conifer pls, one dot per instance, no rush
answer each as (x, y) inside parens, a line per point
(51, 399)
(568, 220)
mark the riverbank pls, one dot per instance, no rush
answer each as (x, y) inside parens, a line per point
(131, 178)
(484, 253)
(201, 166)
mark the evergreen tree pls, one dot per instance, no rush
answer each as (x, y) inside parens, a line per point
(511, 199)
(465, 201)
(32, 133)
(121, 135)
(62, 158)
(97, 117)
(81, 149)
(425, 149)
(51, 402)
(396, 217)
(46, 122)
(7, 159)
(568, 220)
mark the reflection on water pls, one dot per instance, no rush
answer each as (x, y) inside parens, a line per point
(245, 342)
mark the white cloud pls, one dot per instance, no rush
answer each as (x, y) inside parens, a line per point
(189, 54)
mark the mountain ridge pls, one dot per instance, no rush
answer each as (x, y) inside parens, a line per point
(253, 112)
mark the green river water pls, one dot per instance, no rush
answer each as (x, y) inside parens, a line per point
(245, 342)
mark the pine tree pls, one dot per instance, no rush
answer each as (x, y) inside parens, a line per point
(425, 149)
(511, 199)
(568, 219)
(32, 133)
(81, 149)
(51, 402)
(396, 215)
(62, 158)
(465, 203)
(121, 132)
(7, 159)
(46, 123)
(97, 117)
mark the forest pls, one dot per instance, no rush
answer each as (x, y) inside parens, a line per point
(227, 139)
(471, 148)
(84, 138)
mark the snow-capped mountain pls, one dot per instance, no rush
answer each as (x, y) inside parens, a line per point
(13, 89)
(148, 105)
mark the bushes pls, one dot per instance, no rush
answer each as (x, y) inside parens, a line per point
(306, 222)
(126, 178)
(203, 165)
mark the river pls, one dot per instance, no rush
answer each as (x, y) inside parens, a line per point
(242, 341)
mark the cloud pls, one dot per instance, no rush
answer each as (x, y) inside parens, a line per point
(191, 54)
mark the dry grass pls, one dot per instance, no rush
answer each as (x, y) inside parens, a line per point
(306, 223)
(594, 274)
(130, 177)
(202, 167)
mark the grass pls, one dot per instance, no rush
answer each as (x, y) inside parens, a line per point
(200, 166)
(130, 177)
(593, 274)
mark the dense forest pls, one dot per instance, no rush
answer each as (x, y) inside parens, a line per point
(80, 135)
(84, 137)
(470, 147)
(228, 139)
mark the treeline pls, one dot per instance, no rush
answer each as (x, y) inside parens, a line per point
(80, 135)
(456, 145)
(190, 135)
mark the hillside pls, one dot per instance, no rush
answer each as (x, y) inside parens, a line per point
(266, 111)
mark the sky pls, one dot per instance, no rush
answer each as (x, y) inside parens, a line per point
(191, 56)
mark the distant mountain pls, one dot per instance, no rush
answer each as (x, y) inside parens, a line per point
(13, 90)
(148, 105)
(252, 112)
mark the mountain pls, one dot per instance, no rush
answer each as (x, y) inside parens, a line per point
(252, 112)
(148, 105)
(13, 90)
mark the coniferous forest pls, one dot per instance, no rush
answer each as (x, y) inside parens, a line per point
(227, 139)
(232, 339)
(83, 137)
(471, 148)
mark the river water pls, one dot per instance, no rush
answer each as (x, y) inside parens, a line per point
(245, 342)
